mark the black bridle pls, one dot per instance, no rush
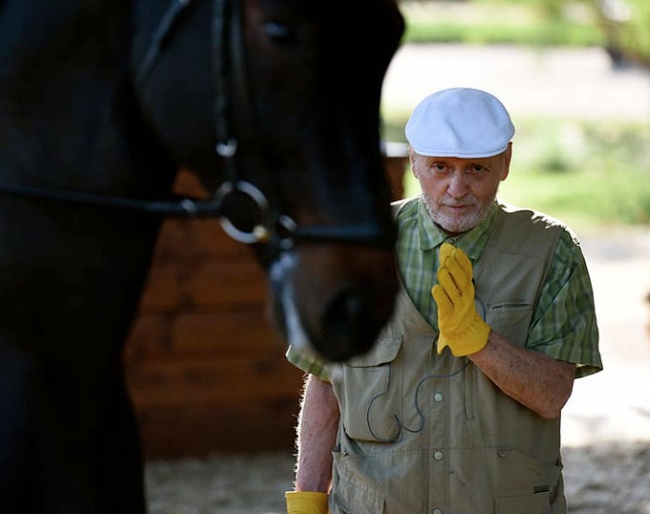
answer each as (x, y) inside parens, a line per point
(272, 226)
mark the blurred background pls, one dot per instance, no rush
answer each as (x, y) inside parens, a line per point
(574, 75)
(215, 397)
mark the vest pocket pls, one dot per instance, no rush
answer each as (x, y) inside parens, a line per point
(526, 502)
(369, 394)
(525, 485)
(352, 492)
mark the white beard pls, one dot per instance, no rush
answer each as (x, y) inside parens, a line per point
(457, 224)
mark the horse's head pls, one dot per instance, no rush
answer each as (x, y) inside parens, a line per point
(284, 98)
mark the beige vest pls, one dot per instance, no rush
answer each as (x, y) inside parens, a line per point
(422, 433)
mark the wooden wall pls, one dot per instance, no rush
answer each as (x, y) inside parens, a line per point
(206, 370)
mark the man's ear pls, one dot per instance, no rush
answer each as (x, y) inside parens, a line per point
(507, 156)
(412, 156)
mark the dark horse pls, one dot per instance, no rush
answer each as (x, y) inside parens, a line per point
(274, 104)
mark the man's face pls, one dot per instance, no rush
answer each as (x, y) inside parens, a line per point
(458, 192)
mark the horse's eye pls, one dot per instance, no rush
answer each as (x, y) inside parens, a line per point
(280, 33)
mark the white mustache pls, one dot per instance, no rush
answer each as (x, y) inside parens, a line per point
(468, 201)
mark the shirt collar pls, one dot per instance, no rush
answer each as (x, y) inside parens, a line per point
(471, 242)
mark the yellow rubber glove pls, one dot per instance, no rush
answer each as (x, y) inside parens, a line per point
(304, 502)
(461, 327)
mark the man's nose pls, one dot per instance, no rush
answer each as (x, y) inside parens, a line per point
(458, 186)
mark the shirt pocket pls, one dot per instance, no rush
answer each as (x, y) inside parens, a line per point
(370, 394)
(511, 320)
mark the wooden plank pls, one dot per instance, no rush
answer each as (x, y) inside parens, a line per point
(235, 382)
(198, 431)
(208, 334)
(191, 240)
(238, 332)
(222, 284)
(232, 284)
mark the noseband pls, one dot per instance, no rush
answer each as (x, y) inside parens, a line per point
(272, 227)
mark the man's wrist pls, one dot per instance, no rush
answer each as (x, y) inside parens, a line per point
(472, 341)
(306, 502)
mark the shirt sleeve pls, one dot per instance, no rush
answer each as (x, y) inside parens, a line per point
(308, 362)
(564, 323)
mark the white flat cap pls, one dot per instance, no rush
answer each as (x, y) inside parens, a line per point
(459, 122)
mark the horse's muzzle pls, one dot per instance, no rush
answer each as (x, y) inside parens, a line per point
(335, 311)
(349, 325)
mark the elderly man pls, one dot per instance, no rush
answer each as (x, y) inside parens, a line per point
(457, 407)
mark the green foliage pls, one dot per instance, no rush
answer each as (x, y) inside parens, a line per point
(493, 21)
(589, 174)
(624, 29)
(534, 34)
(633, 35)
(583, 199)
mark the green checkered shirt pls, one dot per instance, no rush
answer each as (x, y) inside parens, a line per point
(564, 323)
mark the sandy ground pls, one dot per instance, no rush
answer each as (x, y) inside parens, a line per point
(606, 423)
(600, 479)
(614, 405)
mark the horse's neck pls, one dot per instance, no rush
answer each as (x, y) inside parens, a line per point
(69, 118)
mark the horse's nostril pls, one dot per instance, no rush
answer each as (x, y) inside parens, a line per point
(347, 324)
(343, 314)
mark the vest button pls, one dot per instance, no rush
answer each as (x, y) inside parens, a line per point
(438, 455)
(438, 397)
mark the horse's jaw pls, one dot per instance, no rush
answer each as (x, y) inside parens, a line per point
(285, 309)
